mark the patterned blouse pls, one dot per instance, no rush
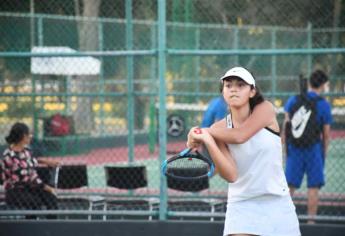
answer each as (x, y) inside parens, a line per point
(18, 168)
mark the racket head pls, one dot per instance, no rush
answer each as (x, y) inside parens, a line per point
(188, 165)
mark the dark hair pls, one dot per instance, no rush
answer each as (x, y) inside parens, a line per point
(17, 132)
(257, 99)
(317, 79)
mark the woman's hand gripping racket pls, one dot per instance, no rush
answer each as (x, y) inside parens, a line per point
(188, 165)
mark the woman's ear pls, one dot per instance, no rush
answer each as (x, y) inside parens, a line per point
(252, 92)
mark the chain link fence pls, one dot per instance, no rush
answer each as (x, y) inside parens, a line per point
(92, 100)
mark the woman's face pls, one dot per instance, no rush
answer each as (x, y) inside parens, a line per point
(236, 92)
(26, 139)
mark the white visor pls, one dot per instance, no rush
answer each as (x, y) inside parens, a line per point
(241, 73)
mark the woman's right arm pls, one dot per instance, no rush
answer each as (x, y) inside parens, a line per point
(49, 189)
(225, 164)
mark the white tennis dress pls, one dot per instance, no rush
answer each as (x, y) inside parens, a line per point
(259, 202)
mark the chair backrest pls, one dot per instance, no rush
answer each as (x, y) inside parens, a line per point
(188, 185)
(126, 177)
(46, 174)
(72, 176)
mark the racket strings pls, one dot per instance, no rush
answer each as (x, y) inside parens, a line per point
(188, 167)
(188, 163)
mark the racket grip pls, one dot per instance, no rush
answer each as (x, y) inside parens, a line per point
(211, 172)
(164, 166)
(185, 152)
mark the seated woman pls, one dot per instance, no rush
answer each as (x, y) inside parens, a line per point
(24, 188)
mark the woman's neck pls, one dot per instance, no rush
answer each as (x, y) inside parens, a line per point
(17, 147)
(239, 115)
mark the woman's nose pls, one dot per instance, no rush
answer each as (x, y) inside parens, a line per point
(233, 89)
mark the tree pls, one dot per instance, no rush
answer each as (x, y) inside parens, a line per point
(88, 41)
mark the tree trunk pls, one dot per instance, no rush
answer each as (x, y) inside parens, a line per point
(88, 41)
(335, 41)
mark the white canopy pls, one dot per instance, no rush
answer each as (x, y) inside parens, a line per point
(63, 65)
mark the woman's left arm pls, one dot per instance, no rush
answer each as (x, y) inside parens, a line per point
(262, 116)
(50, 163)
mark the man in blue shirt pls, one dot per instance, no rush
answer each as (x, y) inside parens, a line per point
(216, 110)
(310, 159)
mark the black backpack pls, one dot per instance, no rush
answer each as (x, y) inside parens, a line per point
(303, 129)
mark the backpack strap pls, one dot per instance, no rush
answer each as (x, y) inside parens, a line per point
(304, 97)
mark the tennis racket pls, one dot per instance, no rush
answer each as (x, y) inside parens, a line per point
(188, 165)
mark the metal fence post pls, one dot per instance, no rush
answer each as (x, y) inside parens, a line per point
(152, 127)
(235, 44)
(197, 63)
(102, 82)
(309, 46)
(274, 62)
(162, 102)
(130, 87)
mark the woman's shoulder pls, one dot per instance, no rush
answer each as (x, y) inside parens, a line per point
(219, 124)
(7, 152)
(265, 106)
(267, 113)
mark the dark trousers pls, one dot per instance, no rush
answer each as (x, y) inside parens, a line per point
(31, 198)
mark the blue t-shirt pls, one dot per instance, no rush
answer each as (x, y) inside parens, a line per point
(216, 110)
(324, 115)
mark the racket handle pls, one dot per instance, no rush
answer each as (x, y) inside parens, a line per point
(185, 152)
(211, 172)
(164, 166)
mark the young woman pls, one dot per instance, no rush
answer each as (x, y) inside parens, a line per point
(24, 188)
(247, 152)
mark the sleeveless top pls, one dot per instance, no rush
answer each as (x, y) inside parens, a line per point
(260, 166)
